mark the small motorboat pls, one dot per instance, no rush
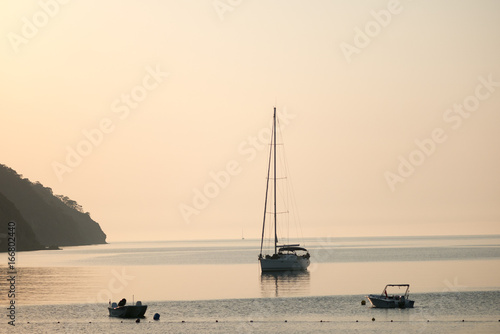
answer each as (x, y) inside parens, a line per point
(387, 300)
(121, 310)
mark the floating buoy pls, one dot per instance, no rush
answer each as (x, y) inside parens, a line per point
(138, 320)
(156, 316)
(373, 319)
(363, 302)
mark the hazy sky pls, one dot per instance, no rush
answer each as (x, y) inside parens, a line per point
(132, 108)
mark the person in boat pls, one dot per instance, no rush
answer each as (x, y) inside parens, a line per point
(122, 302)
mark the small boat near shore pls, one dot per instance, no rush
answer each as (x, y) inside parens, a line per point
(388, 300)
(121, 310)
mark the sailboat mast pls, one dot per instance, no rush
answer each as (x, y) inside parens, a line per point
(275, 220)
(267, 192)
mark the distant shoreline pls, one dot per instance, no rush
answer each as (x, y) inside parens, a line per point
(444, 236)
(56, 247)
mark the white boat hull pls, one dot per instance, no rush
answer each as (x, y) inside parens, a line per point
(383, 302)
(284, 262)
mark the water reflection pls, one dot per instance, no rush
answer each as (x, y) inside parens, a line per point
(284, 283)
(44, 285)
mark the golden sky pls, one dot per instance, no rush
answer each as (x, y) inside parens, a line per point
(153, 114)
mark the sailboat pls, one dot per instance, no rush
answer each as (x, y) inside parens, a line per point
(285, 257)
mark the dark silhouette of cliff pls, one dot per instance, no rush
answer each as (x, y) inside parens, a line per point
(55, 220)
(25, 238)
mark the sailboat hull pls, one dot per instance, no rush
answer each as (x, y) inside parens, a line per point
(289, 262)
(285, 257)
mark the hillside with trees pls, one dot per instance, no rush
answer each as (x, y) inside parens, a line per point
(54, 220)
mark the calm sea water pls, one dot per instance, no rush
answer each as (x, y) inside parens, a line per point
(217, 287)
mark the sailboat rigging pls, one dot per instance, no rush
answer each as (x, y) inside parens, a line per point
(285, 257)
